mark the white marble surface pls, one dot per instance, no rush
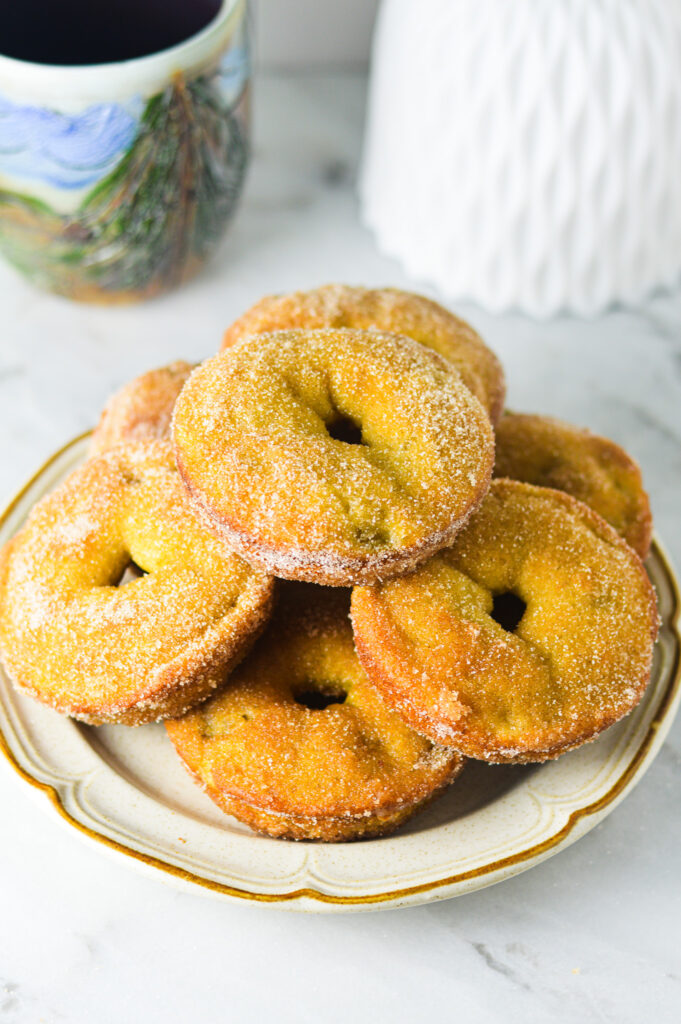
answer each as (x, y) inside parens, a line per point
(296, 34)
(592, 934)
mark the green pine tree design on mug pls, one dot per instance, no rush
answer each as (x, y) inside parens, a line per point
(152, 220)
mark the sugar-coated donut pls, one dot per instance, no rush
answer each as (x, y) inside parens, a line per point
(384, 309)
(299, 744)
(142, 409)
(547, 452)
(129, 654)
(332, 456)
(572, 657)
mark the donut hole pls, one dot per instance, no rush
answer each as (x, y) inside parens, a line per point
(319, 696)
(345, 429)
(131, 572)
(508, 609)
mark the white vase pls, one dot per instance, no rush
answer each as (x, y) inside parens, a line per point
(527, 153)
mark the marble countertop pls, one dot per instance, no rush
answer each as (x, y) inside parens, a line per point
(590, 935)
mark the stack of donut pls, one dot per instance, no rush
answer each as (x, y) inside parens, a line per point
(306, 556)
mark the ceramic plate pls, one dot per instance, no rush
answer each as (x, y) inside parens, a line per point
(125, 789)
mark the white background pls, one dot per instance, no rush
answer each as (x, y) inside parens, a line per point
(313, 33)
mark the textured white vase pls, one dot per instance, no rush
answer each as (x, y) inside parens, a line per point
(527, 153)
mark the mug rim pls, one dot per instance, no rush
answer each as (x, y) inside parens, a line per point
(64, 81)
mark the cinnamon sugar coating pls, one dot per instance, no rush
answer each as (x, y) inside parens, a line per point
(547, 452)
(126, 654)
(299, 744)
(384, 309)
(334, 456)
(577, 661)
(142, 409)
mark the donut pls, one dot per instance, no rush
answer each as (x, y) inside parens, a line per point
(299, 744)
(153, 648)
(332, 456)
(547, 452)
(384, 309)
(527, 638)
(142, 409)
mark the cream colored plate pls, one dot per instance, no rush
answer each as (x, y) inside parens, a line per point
(126, 789)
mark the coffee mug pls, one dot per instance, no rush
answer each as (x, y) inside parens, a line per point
(123, 141)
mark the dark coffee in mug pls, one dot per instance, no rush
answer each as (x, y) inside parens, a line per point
(98, 31)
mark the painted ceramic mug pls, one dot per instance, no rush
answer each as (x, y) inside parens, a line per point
(118, 179)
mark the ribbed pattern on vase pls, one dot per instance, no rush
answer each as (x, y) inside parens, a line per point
(528, 154)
